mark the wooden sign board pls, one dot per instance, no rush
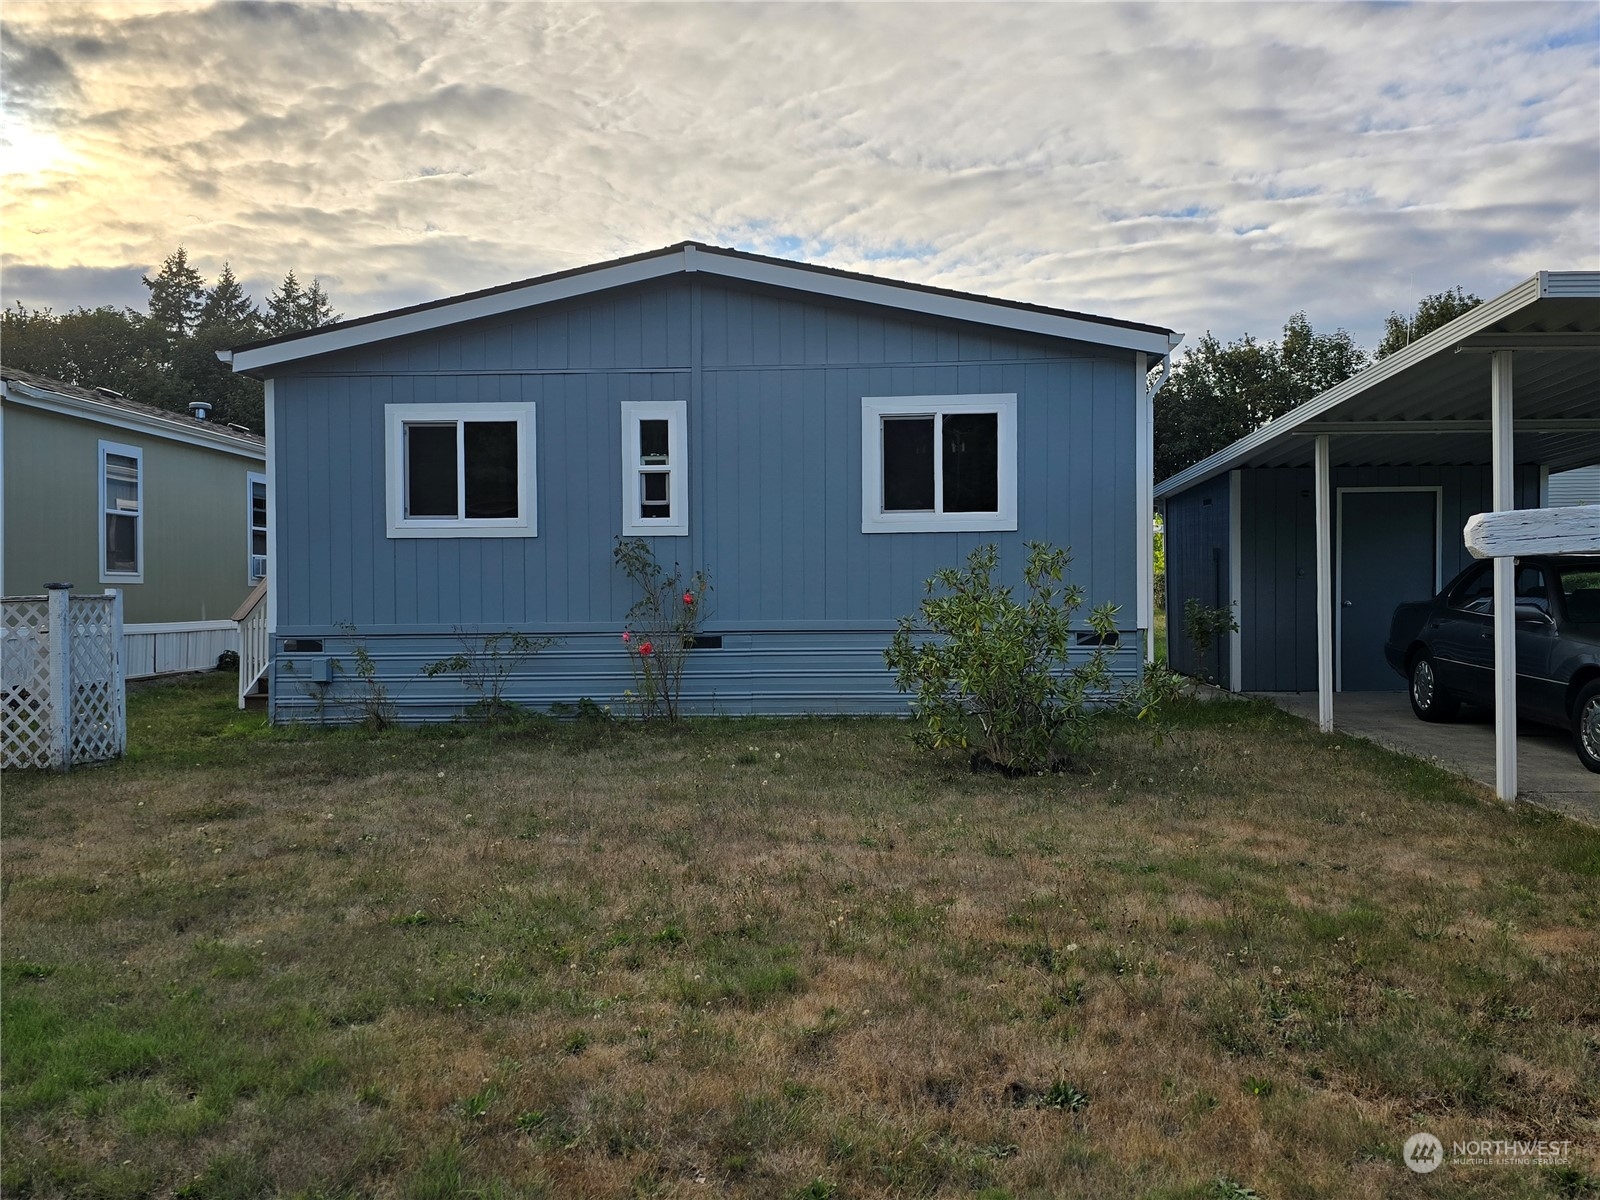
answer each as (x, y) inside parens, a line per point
(1534, 531)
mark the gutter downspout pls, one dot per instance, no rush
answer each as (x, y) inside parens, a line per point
(1147, 499)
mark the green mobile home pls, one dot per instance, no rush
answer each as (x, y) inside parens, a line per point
(105, 493)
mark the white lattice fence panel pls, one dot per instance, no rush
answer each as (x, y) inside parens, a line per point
(98, 729)
(24, 682)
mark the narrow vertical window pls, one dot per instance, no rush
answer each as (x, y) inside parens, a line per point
(258, 528)
(122, 513)
(654, 468)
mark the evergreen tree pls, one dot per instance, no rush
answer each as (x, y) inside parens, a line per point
(317, 310)
(292, 308)
(229, 318)
(284, 307)
(1432, 313)
(167, 358)
(228, 306)
(177, 294)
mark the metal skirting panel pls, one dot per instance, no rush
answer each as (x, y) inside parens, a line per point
(773, 674)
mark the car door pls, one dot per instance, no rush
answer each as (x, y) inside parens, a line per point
(1463, 641)
(1538, 695)
(1463, 658)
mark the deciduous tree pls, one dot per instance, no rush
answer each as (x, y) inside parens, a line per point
(1218, 393)
(1432, 312)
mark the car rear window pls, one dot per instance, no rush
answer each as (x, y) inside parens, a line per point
(1580, 592)
(1475, 593)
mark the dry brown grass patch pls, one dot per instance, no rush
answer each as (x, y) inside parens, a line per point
(759, 958)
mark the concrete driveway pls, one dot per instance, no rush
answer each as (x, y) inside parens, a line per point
(1548, 771)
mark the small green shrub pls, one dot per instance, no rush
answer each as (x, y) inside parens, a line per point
(486, 663)
(995, 677)
(1205, 627)
(372, 700)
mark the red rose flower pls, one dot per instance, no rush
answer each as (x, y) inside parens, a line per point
(626, 637)
(646, 648)
(688, 597)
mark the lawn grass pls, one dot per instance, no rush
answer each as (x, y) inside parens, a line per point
(785, 959)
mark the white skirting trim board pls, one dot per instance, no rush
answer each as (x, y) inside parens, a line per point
(173, 647)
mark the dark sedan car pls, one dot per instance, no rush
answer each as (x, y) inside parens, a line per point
(1445, 647)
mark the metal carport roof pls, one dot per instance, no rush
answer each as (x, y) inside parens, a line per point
(1516, 380)
(1429, 404)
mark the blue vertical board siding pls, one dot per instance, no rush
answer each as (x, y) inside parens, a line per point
(1278, 568)
(774, 386)
(1196, 543)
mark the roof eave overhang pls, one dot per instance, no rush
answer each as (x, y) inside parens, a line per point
(109, 414)
(1458, 334)
(260, 360)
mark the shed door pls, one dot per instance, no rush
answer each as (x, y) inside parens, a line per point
(1388, 555)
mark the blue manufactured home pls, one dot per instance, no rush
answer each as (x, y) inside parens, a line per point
(819, 442)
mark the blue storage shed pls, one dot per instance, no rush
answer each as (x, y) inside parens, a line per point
(1315, 526)
(818, 441)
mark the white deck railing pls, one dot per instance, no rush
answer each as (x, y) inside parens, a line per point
(255, 642)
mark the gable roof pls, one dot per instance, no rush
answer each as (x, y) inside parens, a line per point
(113, 408)
(1429, 403)
(257, 358)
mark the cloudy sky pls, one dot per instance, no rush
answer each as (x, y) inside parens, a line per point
(1193, 165)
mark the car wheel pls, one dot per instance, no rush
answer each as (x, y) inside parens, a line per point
(1586, 726)
(1427, 700)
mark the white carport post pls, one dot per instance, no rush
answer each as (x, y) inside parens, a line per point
(1505, 568)
(1324, 485)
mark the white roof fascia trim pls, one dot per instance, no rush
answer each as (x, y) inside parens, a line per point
(892, 295)
(122, 418)
(1569, 285)
(1446, 336)
(463, 310)
(698, 259)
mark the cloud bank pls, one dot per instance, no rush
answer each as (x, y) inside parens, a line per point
(1201, 166)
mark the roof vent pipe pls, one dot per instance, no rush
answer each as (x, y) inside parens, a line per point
(200, 410)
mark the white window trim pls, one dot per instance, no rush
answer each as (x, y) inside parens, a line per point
(137, 454)
(251, 479)
(397, 416)
(676, 414)
(875, 408)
